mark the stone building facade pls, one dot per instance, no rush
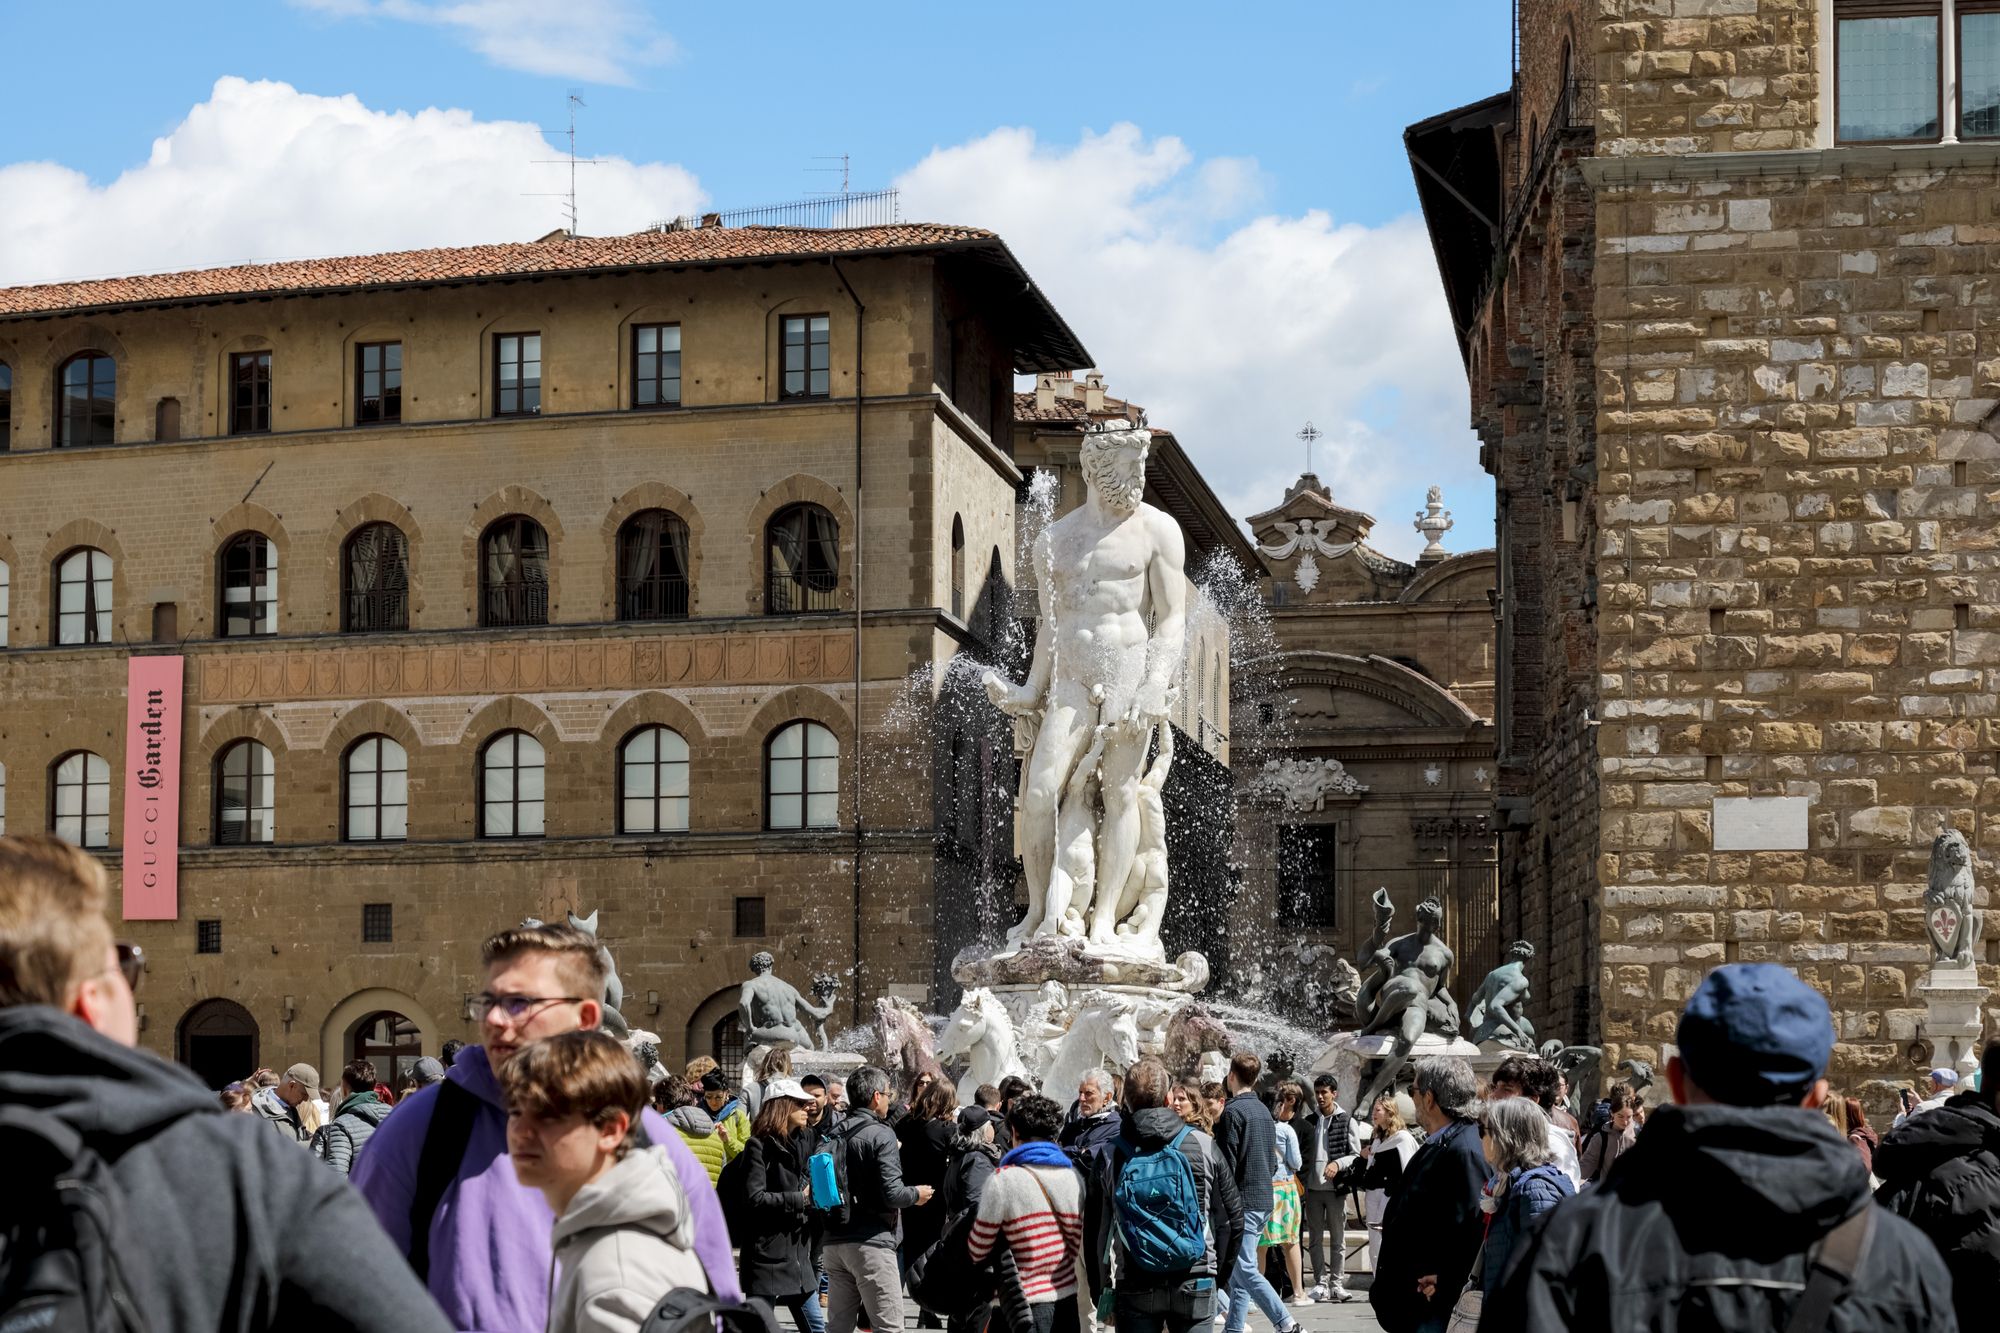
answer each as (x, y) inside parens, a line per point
(1376, 766)
(193, 455)
(1772, 321)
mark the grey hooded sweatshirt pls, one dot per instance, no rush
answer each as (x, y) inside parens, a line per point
(623, 1243)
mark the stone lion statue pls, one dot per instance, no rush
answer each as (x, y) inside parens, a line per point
(1948, 916)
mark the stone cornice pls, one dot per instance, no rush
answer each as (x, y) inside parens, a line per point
(1600, 171)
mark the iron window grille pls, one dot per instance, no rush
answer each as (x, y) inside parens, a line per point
(80, 800)
(378, 383)
(375, 580)
(83, 597)
(656, 365)
(514, 573)
(749, 918)
(653, 567)
(376, 802)
(653, 782)
(517, 374)
(511, 792)
(246, 799)
(87, 395)
(378, 923)
(249, 587)
(807, 365)
(5, 594)
(250, 393)
(801, 561)
(802, 778)
(208, 936)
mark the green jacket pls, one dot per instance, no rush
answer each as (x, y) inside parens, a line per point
(697, 1130)
(734, 1126)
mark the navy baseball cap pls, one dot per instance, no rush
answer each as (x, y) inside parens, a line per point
(1753, 1034)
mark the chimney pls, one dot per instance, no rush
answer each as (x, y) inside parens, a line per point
(1093, 392)
(711, 219)
(1045, 390)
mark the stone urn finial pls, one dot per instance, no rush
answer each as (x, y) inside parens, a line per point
(1433, 523)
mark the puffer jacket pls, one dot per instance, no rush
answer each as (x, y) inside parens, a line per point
(1706, 1225)
(1941, 1170)
(339, 1140)
(697, 1130)
(972, 1164)
(1525, 1196)
(624, 1242)
(1215, 1185)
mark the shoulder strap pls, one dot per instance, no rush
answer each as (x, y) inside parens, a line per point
(445, 1140)
(1832, 1271)
(1175, 1142)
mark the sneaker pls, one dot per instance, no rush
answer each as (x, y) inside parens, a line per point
(1318, 1292)
(1300, 1300)
(1338, 1293)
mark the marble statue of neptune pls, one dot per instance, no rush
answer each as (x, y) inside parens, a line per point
(1108, 651)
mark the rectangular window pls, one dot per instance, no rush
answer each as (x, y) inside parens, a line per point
(208, 937)
(656, 365)
(6, 404)
(517, 374)
(1978, 73)
(249, 393)
(1886, 86)
(806, 352)
(749, 918)
(378, 383)
(1306, 893)
(378, 923)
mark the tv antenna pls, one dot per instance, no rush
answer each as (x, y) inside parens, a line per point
(572, 161)
(842, 168)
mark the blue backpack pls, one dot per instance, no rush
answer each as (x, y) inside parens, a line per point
(1159, 1209)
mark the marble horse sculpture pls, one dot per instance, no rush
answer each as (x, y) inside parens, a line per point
(981, 1030)
(905, 1039)
(1105, 1030)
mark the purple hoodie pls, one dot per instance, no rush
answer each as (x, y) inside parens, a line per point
(492, 1236)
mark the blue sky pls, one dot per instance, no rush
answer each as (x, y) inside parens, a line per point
(1121, 148)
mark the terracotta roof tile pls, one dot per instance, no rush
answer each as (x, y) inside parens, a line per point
(555, 255)
(1069, 411)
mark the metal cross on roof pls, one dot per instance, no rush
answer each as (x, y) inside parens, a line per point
(1309, 433)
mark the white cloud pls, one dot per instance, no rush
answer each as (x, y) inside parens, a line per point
(263, 171)
(1234, 336)
(598, 41)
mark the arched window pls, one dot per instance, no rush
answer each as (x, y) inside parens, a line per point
(246, 795)
(653, 567)
(999, 600)
(958, 566)
(80, 799)
(801, 561)
(86, 400)
(376, 799)
(5, 593)
(167, 420)
(510, 787)
(802, 777)
(83, 597)
(375, 580)
(653, 782)
(514, 573)
(249, 587)
(6, 405)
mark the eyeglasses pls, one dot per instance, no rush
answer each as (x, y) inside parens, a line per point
(519, 1006)
(131, 961)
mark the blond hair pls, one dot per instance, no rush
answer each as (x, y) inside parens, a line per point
(698, 1066)
(578, 961)
(54, 935)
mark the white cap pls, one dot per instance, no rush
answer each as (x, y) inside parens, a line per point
(787, 1087)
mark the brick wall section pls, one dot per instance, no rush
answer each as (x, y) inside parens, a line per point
(1799, 374)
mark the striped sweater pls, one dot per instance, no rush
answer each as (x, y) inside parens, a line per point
(1045, 1244)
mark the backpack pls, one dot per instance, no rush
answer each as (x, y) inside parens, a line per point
(685, 1310)
(1158, 1207)
(63, 1234)
(835, 1145)
(734, 1194)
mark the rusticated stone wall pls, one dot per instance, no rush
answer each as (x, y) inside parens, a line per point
(1691, 76)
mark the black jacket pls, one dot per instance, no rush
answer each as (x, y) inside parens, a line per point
(926, 1156)
(1432, 1226)
(1941, 1170)
(775, 1259)
(1706, 1222)
(877, 1194)
(1149, 1131)
(228, 1225)
(972, 1165)
(1248, 1138)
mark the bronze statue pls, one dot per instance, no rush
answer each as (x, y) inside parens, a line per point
(769, 1008)
(1405, 992)
(1498, 1010)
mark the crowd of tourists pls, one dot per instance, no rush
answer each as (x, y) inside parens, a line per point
(544, 1180)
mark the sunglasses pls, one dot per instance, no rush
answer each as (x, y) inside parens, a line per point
(131, 961)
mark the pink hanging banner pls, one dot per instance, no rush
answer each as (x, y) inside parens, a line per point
(152, 788)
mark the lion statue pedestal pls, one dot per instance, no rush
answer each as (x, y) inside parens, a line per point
(1953, 998)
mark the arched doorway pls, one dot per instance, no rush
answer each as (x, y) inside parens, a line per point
(715, 1030)
(219, 1041)
(343, 1030)
(387, 1040)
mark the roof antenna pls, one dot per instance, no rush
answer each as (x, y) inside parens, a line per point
(573, 161)
(842, 168)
